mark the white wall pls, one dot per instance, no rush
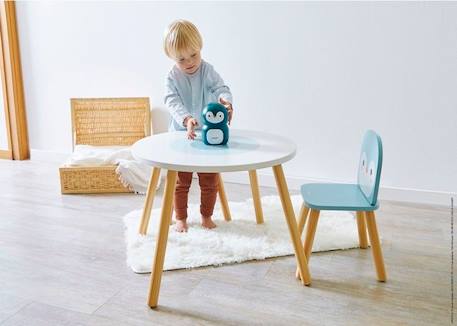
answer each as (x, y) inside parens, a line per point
(321, 73)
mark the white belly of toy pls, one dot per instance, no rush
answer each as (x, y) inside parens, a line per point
(215, 136)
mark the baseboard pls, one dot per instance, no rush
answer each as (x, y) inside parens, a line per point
(386, 193)
(266, 179)
(6, 154)
(48, 156)
(440, 198)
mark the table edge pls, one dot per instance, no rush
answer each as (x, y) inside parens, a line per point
(216, 169)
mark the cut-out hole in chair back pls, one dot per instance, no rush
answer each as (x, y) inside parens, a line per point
(370, 165)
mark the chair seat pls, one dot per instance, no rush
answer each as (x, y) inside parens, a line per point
(335, 197)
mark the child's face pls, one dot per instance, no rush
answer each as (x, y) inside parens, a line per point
(189, 61)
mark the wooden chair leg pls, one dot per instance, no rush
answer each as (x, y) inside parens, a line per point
(292, 224)
(161, 244)
(310, 232)
(223, 200)
(376, 246)
(309, 238)
(256, 196)
(302, 218)
(149, 201)
(362, 229)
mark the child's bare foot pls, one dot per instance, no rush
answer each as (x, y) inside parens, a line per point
(181, 226)
(208, 223)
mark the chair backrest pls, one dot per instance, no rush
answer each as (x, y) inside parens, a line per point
(370, 165)
(110, 121)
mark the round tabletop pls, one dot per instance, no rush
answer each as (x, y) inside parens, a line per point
(245, 150)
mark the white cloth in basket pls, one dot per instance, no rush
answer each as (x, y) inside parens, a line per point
(133, 174)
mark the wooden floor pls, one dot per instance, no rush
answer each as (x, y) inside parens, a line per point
(62, 262)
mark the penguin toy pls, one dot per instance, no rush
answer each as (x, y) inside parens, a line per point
(215, 130)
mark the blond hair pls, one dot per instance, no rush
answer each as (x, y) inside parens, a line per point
(180, 36)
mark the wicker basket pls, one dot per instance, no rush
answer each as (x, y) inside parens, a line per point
(103, 122)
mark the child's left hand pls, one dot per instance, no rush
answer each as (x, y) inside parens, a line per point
(229, 108)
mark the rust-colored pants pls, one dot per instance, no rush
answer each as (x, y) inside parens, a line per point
(209, 183)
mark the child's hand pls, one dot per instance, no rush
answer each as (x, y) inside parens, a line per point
(191, 124)
(229, 108)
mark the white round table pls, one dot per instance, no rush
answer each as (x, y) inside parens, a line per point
(245, 151)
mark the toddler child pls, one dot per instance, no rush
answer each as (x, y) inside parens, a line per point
(191, 84)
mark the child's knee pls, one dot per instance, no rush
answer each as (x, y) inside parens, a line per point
(208, 181)
(184, 180)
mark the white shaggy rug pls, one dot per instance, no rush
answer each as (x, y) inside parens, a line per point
(236, 241)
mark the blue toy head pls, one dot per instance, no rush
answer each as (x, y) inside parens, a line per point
(215, 114)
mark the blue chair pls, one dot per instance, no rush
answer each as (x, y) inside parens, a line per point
(361, 198)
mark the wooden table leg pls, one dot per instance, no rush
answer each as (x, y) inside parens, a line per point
(149, 201)
(292, 224)
(223, 200)
(256, 196)
(161, 244)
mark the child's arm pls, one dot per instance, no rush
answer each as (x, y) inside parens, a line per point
(174, 103)
(220, 90)
(217, 86)
(190, 124)
(229, 108)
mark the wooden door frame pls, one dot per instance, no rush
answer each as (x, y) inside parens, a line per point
(13, 88)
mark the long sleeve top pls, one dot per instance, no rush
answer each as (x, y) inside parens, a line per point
(187, 95)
